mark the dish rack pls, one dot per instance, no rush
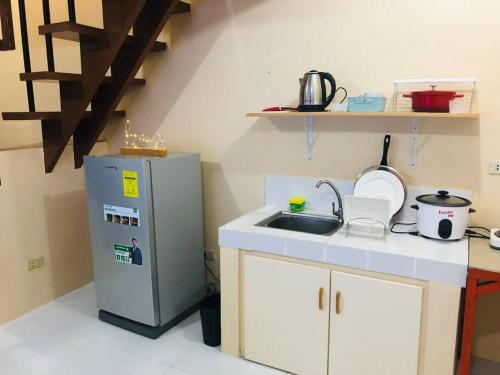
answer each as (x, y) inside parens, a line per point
(366, 227)
(367, 216)
(465, 86)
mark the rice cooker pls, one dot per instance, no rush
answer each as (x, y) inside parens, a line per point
(442, 216)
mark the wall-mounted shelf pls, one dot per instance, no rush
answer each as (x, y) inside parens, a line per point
(414, 116)
(472, 115)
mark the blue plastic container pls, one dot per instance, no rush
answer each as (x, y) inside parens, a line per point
(365, 103)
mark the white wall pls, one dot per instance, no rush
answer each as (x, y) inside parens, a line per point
(41, 215)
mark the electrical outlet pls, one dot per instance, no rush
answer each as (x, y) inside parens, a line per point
(210, 254)
(33, 264)
(494, 167)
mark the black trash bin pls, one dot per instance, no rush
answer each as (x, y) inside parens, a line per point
(210, 319)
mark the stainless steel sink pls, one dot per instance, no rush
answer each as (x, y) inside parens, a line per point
(302, 223)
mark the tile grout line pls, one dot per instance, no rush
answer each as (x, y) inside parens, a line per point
(181, 358)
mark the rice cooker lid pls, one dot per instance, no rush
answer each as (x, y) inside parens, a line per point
(443, 199)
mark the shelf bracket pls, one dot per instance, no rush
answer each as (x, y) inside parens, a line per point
(415, 122)
(310, 136)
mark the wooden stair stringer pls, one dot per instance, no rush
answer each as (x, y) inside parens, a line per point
(147, 28)
(119, 18)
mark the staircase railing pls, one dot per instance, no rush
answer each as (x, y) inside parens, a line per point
(48, 42)
(26, 54)
(48, 37)
(72, 10)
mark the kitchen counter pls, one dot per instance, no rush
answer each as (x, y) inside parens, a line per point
(396, 254)
(482, 256)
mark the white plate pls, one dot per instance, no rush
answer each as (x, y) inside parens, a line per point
(383, 184)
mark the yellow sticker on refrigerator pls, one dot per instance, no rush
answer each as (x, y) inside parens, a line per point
(130, 184)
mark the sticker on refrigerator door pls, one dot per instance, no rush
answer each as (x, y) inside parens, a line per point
(130, 184)
(135, 252)
(129, 254)
(122, 254)
(121, 215)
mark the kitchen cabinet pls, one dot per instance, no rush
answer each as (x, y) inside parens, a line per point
(386, 324)
(286, 315)
(365, 325)
(374, 326)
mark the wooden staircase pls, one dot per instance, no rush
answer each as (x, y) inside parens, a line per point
(101, 50)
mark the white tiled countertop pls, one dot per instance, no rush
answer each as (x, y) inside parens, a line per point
(397, 254)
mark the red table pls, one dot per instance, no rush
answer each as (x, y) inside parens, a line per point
(483, 278)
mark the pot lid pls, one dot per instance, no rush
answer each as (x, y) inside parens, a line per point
(434, 92)
(444, 199)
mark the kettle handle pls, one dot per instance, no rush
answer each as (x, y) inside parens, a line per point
(328, 77)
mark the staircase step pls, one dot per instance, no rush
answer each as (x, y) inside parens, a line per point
(67, 77)
(33, 116)
(51, 77)
(75, 32)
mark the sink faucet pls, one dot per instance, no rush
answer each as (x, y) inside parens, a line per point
(340, 212)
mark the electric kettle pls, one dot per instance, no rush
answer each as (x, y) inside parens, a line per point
(313, 91)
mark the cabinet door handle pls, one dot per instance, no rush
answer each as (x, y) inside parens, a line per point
(338, 296)
(320, 298)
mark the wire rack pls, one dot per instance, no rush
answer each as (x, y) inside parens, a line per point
(465, 86)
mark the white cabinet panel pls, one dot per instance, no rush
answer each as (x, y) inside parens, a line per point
(375, 329)
(285, 325)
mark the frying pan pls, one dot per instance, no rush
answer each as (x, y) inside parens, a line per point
(381, 176)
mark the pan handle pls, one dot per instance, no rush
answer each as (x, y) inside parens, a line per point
(387, 143)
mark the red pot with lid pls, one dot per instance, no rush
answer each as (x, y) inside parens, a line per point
(432, 100)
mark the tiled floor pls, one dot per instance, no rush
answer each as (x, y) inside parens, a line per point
(66, 338)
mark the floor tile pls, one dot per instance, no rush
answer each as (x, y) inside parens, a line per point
(174, 344)
(41, 339)
(175, 371)
(100, 359)
(152, 368)
(30, 346)
(22, 361)
(210, 361)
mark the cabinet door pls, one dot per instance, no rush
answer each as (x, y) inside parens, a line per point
(286, 314)
(374, 326)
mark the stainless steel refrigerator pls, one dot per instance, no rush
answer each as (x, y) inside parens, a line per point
(146, 226)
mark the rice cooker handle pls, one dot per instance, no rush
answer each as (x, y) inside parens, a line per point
(471, 210)
(414, 206)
